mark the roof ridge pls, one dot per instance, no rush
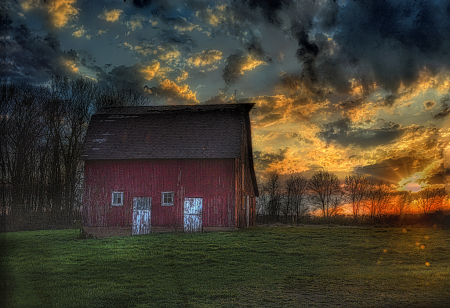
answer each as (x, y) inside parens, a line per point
(163, 108)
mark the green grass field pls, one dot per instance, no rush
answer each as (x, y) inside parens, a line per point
(259, 267)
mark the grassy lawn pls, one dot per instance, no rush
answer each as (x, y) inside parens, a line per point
(260, 267)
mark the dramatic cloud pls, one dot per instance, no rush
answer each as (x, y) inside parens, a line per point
(60, 12)
(169, 92)
(394, 170)
(206, 57)
(269, 9)
(353, 85)
(153, 70)
(237, 64)
(111, 15)
(34, 59)
(393, 40)
(133, 77)
(341, 132)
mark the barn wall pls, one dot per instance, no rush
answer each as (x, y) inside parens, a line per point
(244, 182)
(210, 179)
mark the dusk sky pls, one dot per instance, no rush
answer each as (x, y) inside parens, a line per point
(349, 86)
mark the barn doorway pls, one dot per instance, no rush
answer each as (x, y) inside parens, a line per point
(141, 215)
(193, 214)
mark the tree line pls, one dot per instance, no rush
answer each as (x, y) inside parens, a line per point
(297, 198)
(42, 128)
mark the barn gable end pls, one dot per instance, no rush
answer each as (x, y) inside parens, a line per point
(169, 156)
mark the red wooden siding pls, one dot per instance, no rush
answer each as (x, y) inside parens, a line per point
(210, 179)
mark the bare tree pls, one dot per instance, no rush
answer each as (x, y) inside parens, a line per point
(22, 134)
(402, 202)
(355, 187)
(379, 198)
(110, 97)
(273, 188)
(295, 200)
(325, 192)
(430, 199)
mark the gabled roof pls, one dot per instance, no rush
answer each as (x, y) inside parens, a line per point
(168, 132)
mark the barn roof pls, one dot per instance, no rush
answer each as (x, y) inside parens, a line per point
(169, 132)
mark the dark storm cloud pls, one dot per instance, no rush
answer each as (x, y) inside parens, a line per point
(341, 132)
(307, 52)
(382, 42)
(351, 104)
(391, 41)
(233, 69)
(175, 37)
(438, 176)
(123, 77)
(394, 170)
(388, 100)
(31, 58)
(445, 108)
(264, 159)
(156, 7)
(236, 62)
(429, 104)
(269, 9)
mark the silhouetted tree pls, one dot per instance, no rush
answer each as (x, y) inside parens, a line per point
(355, 187)
(325, 192)
(402, 202)
(430, 199)
(379, 198)
(296, 187)
(273, 189)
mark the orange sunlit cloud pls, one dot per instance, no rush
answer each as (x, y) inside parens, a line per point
(182, 91)
(153, 70)
(59, 11)
(79, 33)
(206, 57)
(70, 65)
(110, 15)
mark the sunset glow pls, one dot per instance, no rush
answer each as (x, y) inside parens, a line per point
(332, 88)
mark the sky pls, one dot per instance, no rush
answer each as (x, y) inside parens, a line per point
(350, 86)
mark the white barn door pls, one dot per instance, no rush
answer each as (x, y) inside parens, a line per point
(141, 215)
(193, 214)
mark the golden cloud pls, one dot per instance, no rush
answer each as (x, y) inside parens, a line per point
(183, 92)
(168, 52)
(59, 11)
(277, 109)
(206, 57)
(250, 63)
(183, 76)
(110, 15)
(70, 65)
(79, 32)
(153, 70)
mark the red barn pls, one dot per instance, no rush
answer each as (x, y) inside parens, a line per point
(173, 168)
